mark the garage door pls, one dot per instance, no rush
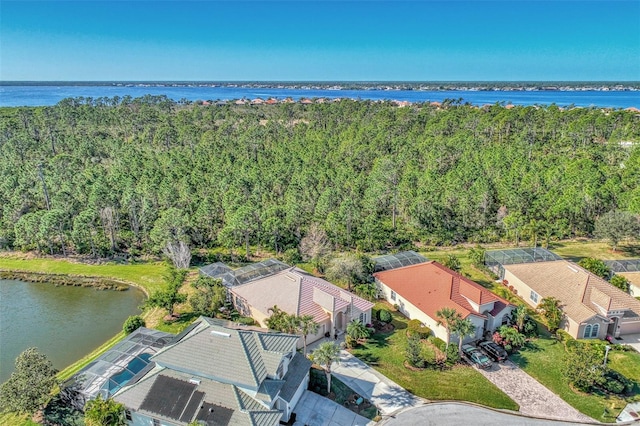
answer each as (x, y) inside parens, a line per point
(631, 327)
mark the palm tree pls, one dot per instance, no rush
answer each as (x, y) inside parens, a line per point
(463, 328)
(306, 326)
(519, 316)
(357, 330)
(447, 317)
(325, 355)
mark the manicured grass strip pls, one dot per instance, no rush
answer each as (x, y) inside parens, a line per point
(84, 361)
(11, 419)
(386, 353)
(149, 276)
(544, 361)
(576, 250)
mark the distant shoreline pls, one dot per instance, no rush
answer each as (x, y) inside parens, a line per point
(363, 85)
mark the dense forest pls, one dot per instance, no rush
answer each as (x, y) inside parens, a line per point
(112, 176)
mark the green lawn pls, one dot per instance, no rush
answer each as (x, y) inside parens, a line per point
(385, 352)
(10, 419)
(544, 359)
(149, 275)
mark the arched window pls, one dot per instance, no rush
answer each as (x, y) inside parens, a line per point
(587, 331)
(594, 330)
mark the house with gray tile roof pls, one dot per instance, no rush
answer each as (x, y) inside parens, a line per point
(219, 373)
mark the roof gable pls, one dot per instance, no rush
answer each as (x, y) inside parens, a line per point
(227, 355)
(296, 292)
(431, 286)
(578, 290)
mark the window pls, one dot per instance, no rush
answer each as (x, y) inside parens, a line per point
(127, 414)
(594, 330)
(534, 296)
(363, 318)
(587, 331)
(393, 295)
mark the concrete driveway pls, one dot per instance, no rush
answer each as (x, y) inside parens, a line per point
(316, 410)
(534, 399)
(631, 340)
(386, 395)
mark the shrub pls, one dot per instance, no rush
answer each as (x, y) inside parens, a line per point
(133, 323)
(437, 342)
(621, 282)
(350, 342)
(617, 383)
(245, 320)
(414, 352)
(292, 256)
(415, 327)
(384, 315)
(563, 336)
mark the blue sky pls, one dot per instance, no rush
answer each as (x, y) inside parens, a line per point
(329, 40)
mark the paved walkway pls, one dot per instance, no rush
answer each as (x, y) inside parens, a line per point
(455, 413)
(385, 394)
(533, 398)
(316, 410)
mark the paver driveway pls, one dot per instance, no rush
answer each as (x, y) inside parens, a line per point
(533, 398)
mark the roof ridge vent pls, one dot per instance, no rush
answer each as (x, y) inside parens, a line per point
(573, 269)
(220, 333)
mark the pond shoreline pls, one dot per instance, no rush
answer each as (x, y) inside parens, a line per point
(98, 283)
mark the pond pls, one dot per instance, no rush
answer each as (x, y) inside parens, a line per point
(65, 323)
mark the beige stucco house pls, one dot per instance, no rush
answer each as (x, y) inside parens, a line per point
(296, 292)
(421, 290)
(593, 308)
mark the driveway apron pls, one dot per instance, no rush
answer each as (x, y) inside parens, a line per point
(316, 410)
(534, 399)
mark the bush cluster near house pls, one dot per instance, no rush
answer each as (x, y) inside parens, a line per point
(133, 323)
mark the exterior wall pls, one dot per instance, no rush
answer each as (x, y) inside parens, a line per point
(571, 327)
(495, 322)
(602, 328)
(296, 397)
(246, 310)
(478, 323)
(629, 326)
(524, 291)
(320, 334)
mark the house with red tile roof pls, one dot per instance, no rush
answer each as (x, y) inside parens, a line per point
(298, 293)
(419, 291)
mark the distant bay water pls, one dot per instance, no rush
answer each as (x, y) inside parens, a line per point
(37, 95)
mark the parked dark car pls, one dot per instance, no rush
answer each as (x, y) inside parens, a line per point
(495, 351)
(476, 356)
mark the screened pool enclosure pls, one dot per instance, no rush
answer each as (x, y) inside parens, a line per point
(117, 367)
(398, 260)
(495, 259)
(233, 277)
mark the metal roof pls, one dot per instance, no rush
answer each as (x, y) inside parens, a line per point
(248, 273)
(398, 260)
(626, 265)
(118, 366)
(495, 259)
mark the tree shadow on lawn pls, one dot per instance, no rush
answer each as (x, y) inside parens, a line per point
(631, 250)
